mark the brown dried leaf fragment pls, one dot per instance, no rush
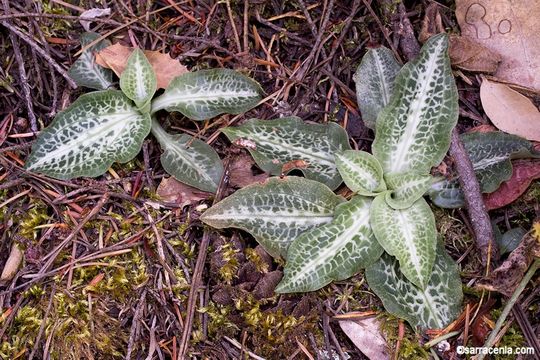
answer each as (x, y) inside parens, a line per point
(173, 191)
(115, 57)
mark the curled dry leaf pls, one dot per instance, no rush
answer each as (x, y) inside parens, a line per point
(115, 57)
(509, 28)
(173, 191)
(367, 337)
(524, 172)
(506, 277)
(510, 111)
(12, 264)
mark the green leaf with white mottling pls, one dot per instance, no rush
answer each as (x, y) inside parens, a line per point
(374, 80)
(276, 211)
(413, 131)
(138, 81)
(98, 129)
(490, 154)
(333, 251)
(85, 71)
(203, 94)
(408, 234)
(406, 188)
(361, 172)
(279, 142)
(189, 160)
(434, 307)
(446, 194)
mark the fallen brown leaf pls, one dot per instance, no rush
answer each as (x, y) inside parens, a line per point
(524, 172)
(115, 57)
(13, 262)
(366, 336)
(509, 28)
(510, 111)
(242, 173)
(506, 277)
(471, 56)
(173, 191)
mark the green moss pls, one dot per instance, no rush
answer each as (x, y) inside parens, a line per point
(36, 215)
(229, 269)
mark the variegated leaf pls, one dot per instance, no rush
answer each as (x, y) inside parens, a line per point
(490, 154)
(434, 307)
(85, 71)
(189, 160)
(203, 94)
(406, 188)
(446, 194)
(361, 172)
(374, 80)
(413, 131)
(276, 211)
(282, 145)
(333, 251)
(98, 129)
(408, 234)
(138, 80)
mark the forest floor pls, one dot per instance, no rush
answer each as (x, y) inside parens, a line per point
(106, 263)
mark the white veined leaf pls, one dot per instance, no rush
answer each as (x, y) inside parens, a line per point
(408, 234)
(490, 154)
(138, 80)
(334, 251)
(85, 71)
(276, 211)
(98, 129)
(406, 188)
(434, 307)
(189, 160)
(361, 172)
(203, 94)
(282, 145)
(374, 80)
(413, 131)
(446, 194)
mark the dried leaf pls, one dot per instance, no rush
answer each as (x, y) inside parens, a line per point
(87, 16)
(509, 28)
(12, 263)
(525, 171)
(242, 173)
(506, 277)
(115, 57)
(469, 55)
(510, 111)
(367, 337)
(173, 191)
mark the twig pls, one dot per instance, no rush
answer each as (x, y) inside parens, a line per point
(197, 273)
(473, 199)
(135, 324)
(407, 42)
(22, 72)
(506, 311)
(41, 52)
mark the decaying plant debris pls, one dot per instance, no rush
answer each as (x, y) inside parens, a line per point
(105, 268)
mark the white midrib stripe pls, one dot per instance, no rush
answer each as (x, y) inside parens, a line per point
(327, 160)
(284, 218)
(429, 303)
(361, 172)
(87, 138)
(172, 147)
(384, 86)
(140, 88)
(406, 140)
(484, 163)
(173, 98)
(404, 224)
(341, 240)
